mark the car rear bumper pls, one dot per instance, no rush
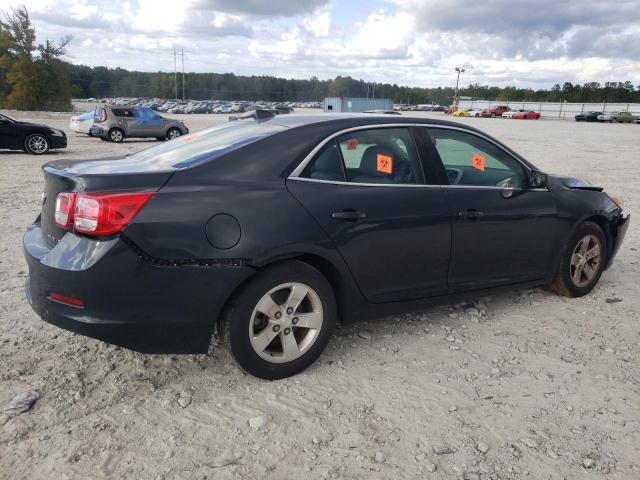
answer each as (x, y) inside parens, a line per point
(618, 229)
(126, 300)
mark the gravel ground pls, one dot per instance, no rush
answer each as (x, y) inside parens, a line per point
(517, 385)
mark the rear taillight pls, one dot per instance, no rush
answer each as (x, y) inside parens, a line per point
(105, 214)
(64, 209)
(98, 213)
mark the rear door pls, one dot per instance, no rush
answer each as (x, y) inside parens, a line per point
(367, 190)
(126, 119)
(503, 232)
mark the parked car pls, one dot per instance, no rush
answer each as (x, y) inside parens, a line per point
(587, 116)
(526, 115)
(495, 111)
(606, 117)
(475, 112)
(33, 138)
(271, 230)
(82, 123)
(460, 113)
(115, 124)
(624, 117)
(511, 113)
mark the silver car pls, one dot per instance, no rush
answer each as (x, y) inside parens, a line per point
(115, 123)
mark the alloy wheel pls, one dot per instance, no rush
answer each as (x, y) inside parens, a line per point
(286, 322)
(116, 136)
(585, 261)
(37, 144)
(174, 133)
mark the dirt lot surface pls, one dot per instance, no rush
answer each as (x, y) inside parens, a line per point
(518, 385)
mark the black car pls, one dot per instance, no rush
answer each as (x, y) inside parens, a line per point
(272, 230)
(30, 137)
(587, 116)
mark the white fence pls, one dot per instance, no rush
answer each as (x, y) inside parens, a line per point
(555, 109)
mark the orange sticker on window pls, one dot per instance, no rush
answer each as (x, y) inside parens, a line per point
(477, 162)
(352, 143)
(384, 164)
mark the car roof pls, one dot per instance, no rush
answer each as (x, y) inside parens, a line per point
(295, 120)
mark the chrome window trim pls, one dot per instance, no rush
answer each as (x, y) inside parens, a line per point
(414, 185)
(295, 175)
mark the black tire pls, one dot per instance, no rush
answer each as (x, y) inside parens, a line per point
(235, 322)
(160, 139)
(37, 144)
(564, 284)
(116, 135)
(173, 133)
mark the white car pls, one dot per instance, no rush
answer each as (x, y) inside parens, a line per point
(606, 117)
(81, 123)
(510, 113)
(475, 113)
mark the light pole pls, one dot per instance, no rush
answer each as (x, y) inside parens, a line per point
(455, 97)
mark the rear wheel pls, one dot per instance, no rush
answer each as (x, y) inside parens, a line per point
(36, 144)
(582, 263)
(281, 321)
(173, 133)
(116, 135)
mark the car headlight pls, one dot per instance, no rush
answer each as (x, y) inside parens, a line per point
(56, 133)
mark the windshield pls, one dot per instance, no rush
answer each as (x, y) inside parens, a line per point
(195, 148)
(7, 117)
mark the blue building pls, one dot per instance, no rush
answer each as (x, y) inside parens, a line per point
(347, 104)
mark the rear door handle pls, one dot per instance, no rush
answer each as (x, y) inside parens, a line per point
(349, 215)
(471, 214)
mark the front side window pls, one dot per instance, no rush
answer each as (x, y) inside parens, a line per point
(473, 161)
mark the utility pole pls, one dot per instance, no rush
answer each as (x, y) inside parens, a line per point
(182, 55)
(374, 91)
(455, 96)
(175, 73)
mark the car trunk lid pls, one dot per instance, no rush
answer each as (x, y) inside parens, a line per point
(91, 176)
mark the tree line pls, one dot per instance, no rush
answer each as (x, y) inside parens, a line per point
(34, 76)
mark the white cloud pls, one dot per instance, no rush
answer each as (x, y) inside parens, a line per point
(413, 42)
(319, 24)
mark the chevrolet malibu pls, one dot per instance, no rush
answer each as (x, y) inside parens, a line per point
(271, 229)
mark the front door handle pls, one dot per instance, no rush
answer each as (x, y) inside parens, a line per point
(349, 215)
(471, 214)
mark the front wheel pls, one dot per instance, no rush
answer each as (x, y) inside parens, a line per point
(582, 262)
(279, 323)
(173, 133)
(36, 144)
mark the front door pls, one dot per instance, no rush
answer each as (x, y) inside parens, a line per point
(503, 232)
(367, 190)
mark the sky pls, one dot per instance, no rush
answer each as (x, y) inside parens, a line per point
(533, 43)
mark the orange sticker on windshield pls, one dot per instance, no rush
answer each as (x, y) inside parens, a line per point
(384, 164)
(352, 143)
(477, 162)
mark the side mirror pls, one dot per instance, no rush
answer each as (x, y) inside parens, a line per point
(538, 179)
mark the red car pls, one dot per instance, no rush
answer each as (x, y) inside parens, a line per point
(496, 111)
(528, 115)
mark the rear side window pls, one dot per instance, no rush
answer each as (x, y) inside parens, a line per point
(124, 112)
(378, 156)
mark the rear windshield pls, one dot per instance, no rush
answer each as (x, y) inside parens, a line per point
(198, 147)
